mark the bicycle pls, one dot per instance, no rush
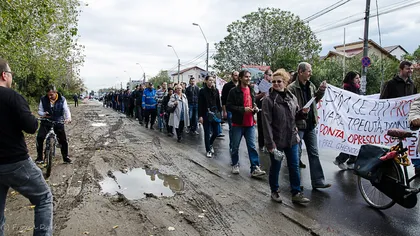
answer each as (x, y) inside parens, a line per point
(51, 143)
(385, 183)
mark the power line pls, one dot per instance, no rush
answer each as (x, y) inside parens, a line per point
(391, 6)
(362, 18)
(326, 10)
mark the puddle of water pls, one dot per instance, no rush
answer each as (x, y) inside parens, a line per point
(136, 182)
(98, 124)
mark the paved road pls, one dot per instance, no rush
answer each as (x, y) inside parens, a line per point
(341, 209)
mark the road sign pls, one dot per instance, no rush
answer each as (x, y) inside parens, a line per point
(366, 61)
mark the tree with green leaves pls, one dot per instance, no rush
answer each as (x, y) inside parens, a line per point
(161, 77)
(39, 39)
(414, 57)
(268, 36)
(331, 70)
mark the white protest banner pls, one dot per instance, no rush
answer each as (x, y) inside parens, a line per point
(264, 86)
(348, 120)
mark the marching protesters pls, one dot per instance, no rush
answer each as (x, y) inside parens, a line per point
(351, 83)
(17, 170)
(259, 98)
(138, 98)
(279, 112)
(192, 92)
(400, 86)
(179, 118)
(165, 111)
(241, 102)
(225, 92)
(304, 90)
(149, 105)
(208, 105)
(159, 97)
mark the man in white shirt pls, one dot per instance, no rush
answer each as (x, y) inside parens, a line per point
(53, 106)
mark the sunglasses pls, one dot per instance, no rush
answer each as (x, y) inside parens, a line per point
(269, 74)
(277, 81)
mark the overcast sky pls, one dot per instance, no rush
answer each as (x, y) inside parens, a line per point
(118, 34)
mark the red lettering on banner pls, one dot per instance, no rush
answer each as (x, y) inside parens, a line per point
(364, 139)
(325, 130)
(399, 109)
(319, 104)
(412, 150)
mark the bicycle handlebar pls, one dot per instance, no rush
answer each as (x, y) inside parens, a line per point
(51, 121)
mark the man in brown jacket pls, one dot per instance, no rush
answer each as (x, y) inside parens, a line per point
(304, 90)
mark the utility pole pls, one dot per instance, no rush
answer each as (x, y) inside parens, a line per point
(144, 77)
(365, 47)
(207, 60)
(179, 65)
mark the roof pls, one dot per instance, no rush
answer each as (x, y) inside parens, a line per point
(356, 51)
(187, 69)
(392, 48)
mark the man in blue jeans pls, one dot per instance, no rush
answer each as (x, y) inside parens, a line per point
(225, 92)
(192, 92)
(304, 90)
(241, 102)
(17, 170)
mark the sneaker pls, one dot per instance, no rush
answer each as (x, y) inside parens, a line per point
(299, 198)
(67, 160)
(39, 161)
(302, 165)
(235, 169)
(276, 197)
(151, 127)
(196, 132)
(209, 155)
(187, 131)
(211, 149)
(220, 135)
(342, 166)
(257, 172)
(350, 166)
(321, 186)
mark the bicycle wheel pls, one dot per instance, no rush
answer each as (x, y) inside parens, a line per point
(373, 196)
(49, 154)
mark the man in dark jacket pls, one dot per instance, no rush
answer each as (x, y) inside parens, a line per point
(17, 170)
(138, 97)
(241, 102)
(225, 93)
(76, 100)
(304, 90)
(53, 106)
(400, 86)
(192, 95)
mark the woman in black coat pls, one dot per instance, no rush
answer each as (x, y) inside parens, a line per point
(350, 83)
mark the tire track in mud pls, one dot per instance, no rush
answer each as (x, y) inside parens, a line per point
(81, 182)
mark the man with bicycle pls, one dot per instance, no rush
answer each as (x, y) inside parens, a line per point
(17, 170)
(53, 106)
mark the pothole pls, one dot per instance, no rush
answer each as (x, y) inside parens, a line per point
(99, 124)
(140, 183)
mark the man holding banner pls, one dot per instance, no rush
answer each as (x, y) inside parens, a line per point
(305, 91)
(400, 86)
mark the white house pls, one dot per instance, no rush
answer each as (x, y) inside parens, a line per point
(186, 74)
(397, 51)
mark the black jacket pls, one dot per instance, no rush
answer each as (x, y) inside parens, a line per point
(208, 98)
(165, 102)
(225, 91)
(192, 94)
(15, 117)
(397, 87)
(235, 103)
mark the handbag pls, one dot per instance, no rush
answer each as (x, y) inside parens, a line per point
(171, 109)
(214, 116)
(368, 162)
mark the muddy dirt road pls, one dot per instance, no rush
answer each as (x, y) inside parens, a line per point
(127, 180)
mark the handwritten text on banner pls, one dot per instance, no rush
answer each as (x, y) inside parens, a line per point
(348, 120)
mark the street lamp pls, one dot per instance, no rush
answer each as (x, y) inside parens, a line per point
(144, 74)
(179, 61)
(207, 44)
(129, 78)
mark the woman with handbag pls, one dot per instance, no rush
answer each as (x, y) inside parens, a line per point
(280, 110)
(178, 108)
(209, 112)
